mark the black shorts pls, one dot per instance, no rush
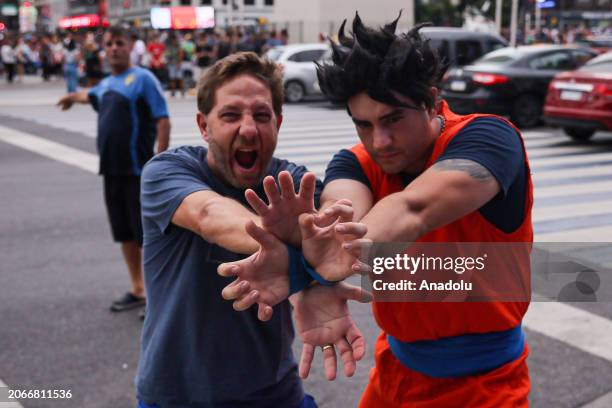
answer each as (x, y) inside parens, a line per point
(122, 197)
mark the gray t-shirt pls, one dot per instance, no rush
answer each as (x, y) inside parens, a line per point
(196, 350)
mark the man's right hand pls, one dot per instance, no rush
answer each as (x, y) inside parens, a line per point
(262, 278)
(66, 101)
(280, 217)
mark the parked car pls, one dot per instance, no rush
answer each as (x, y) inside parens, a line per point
(299, 70)
(459, 46)
(510, 81)
(600, 43)
(581, 101)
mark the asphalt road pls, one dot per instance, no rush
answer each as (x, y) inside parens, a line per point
(59, 269)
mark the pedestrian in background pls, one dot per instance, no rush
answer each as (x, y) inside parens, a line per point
(22, 53)
(46, 57)
(138, 51)
(187, 56)
(204, 52)
(9, 59)
(71, 57)
(174, 55)
(132, 115)
(93, 61)
(157, 60)
(57, 52)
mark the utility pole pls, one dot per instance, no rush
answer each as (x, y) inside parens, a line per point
(538, 15)
(498, 15)
(513, 23)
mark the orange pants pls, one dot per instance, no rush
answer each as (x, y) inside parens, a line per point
(392, 385)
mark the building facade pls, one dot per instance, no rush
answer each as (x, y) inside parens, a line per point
(309, 21)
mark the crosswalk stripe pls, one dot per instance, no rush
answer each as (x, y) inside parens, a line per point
(559, 191)
(582, 172)
(48, 148)
(12, 404)
(561, 212)
(571, 324)
(593, 234)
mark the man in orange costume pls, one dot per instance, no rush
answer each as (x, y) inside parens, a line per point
(421, 173)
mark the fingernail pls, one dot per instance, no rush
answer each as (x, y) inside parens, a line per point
(346, 246)
(340, 228)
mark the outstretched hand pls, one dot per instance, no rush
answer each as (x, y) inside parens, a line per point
(322, 318)
(262, 277)
(280, 216)
(331, 242)
(65, 102)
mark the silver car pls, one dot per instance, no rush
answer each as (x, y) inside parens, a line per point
(299, 70)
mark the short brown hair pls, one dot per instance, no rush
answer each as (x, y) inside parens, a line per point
(237, 64)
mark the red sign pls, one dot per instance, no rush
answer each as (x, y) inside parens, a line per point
(183, 18)
(83, 21)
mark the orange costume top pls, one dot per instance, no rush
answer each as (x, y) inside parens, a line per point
(392, 384)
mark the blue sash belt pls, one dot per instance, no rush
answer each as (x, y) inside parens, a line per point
(458, 356)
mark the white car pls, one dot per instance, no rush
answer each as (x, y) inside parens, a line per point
(299, 70)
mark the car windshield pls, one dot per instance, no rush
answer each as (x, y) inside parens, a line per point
(275, 53)
(499, 57)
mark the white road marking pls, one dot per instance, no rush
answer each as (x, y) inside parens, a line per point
(14, 404)
(594, 234)
(576, 327)
(561, 211)
(50, 149)
(605, 401)
(575, 189)
(580, 172)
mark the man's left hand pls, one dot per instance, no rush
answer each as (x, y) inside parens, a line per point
(322, 318)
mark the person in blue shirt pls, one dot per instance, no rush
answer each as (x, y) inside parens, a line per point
(132, 116)
(196, 351)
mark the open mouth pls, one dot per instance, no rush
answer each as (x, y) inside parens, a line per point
(246, 158)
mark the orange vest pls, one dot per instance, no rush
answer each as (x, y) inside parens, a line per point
(413, 321)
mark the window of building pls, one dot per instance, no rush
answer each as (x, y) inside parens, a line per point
(269, 2)
(206, 2)
(249, 2)
(185, 2)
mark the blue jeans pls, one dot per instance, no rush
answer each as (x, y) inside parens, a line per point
(71, 76)
(307, 402)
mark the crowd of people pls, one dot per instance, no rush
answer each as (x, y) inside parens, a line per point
(571, 35)
(175, 57)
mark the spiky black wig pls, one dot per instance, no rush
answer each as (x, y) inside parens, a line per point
(381, 63)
